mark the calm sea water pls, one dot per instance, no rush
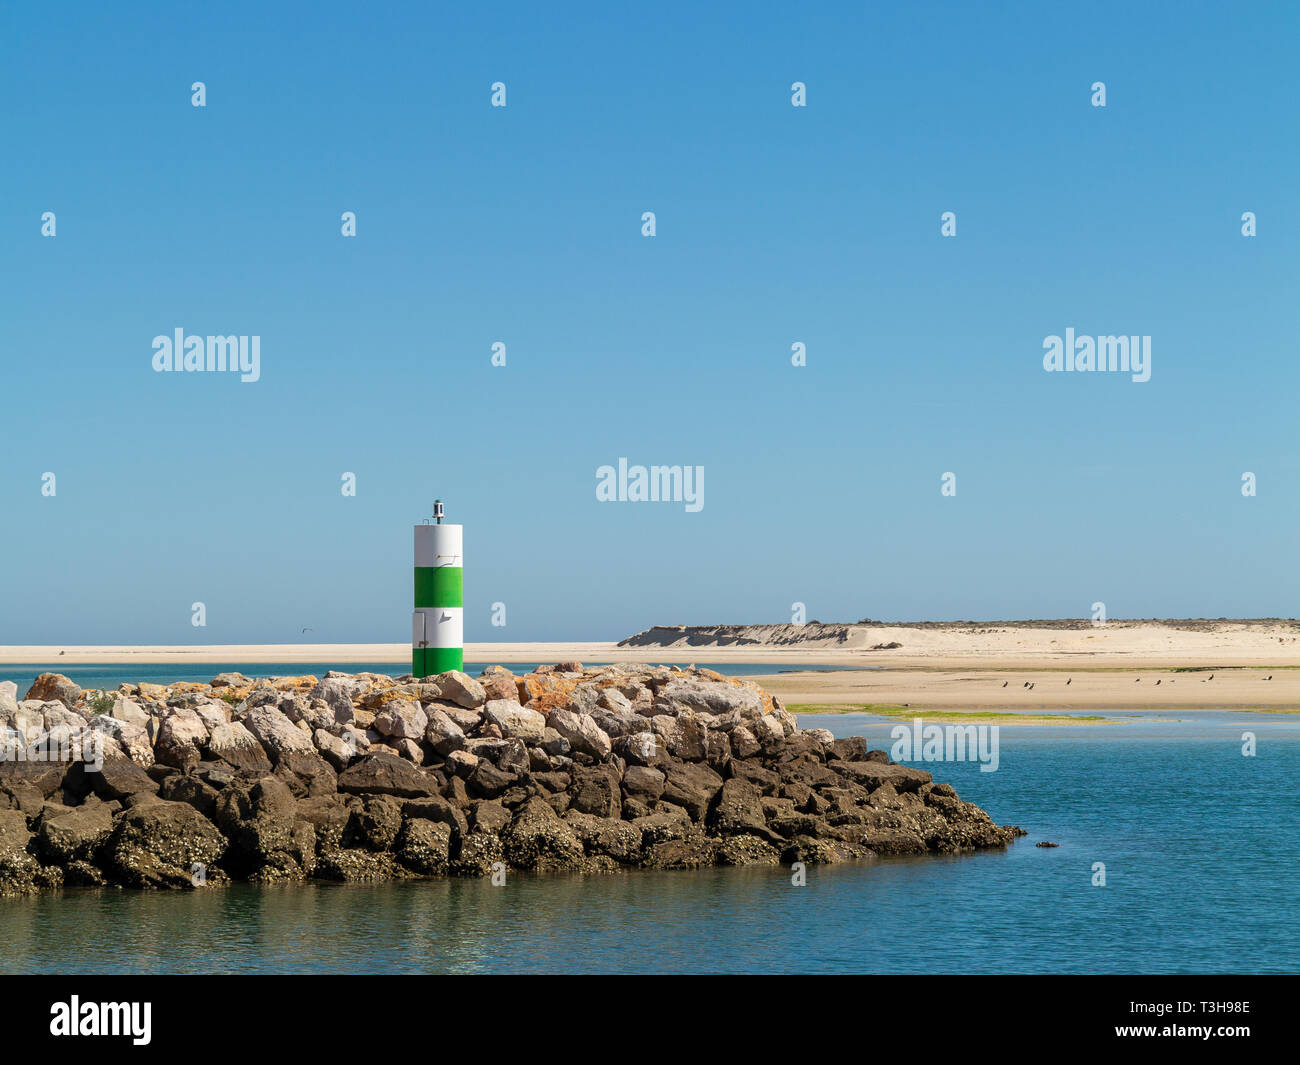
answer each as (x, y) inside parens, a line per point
(1200, 846)
(110, 676)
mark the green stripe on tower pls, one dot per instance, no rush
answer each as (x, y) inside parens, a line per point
(430, 661)
(441, 659)
(439, 586)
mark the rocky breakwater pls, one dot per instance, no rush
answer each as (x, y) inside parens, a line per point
(369, 777)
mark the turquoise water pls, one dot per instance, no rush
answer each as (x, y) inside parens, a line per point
(110, 676)
(1200, 846)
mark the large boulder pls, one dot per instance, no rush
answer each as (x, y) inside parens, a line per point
(480, 853)
(500, 686)
(424, 847)
(644, 782)
(118, 780)
(459, 688)
(182, 738)
(872, 775)
(276, 733)
(515, 721)
(595, 790)
(711, 697)
(641, 748)
(374, 822)
(606, 836)
(131, 712)
(75, 835)
(22, 722)
(20, 872)
(337, 750)
(692, 786)
(490, 781)
(437, 808)
(739, 810)
(55, 717)
(233, 743)
(131, 738)
(55, 687)
(163, 845)
(685, 736)
(46, 776)
(190, 788)
(337, 693)
(14, 833)
(443, 732)
(537, 839)
(384, 773)
(582, 733)
(402, 719)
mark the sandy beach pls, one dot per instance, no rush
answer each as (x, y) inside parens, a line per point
(959, 666)
(1234, 688)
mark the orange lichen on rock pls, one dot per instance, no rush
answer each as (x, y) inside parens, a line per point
(546, 691)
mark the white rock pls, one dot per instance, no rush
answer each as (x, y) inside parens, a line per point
(444, 733)
(402, 719)
(276, 733)
(642, 748)
(338, 693)
(581, 731)
(515, 721)
(125, 709)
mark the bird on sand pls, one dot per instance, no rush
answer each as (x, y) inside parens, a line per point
(1005, 683)
(1068, 682)
(1157, 684)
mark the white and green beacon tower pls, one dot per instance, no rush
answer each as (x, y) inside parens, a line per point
(437, 630)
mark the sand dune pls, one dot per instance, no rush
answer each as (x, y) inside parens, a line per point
(1269, 641)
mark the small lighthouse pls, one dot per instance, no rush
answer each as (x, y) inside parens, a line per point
(437, 630)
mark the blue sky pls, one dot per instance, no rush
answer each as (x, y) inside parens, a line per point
(522, 224)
